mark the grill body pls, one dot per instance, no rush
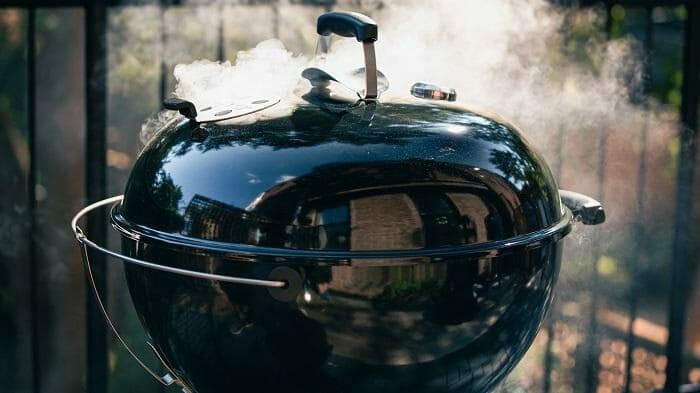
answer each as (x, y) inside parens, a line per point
(457, 325)
(425, 243)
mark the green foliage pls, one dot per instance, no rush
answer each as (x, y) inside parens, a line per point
(666, 59)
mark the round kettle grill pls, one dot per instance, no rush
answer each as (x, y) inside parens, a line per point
(346, 245)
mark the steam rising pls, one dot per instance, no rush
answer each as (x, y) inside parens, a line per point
(524, 60)
(267, 70)
(509, 57)
(516, 58)
(154, 123)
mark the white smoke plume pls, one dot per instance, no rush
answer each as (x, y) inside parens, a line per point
(515, 58)
(506, 56)
(266, 70)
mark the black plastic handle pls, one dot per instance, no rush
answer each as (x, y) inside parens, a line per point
(583, 207)
(348, 24)
(185, 107)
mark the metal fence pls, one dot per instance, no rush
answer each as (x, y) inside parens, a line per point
(96, 187)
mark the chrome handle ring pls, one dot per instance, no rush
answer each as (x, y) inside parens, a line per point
(168, 378)
(84, 240)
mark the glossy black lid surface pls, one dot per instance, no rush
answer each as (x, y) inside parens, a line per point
(390, 176)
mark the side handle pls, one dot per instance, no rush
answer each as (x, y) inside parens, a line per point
(281, 290)
(584, 208)
(166, 379)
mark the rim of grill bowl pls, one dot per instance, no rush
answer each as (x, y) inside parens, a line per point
(239, 251)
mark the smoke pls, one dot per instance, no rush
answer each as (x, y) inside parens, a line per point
(547, 69)
(268, 70)
(154, 124)
(516, 58)
(512, 57)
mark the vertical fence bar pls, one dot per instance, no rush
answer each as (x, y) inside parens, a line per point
(592, 343)
(31, 195)
(639, 211)
(163, 82)
(684, 198)
(163, 92)
(96, 171)
(276, 18)
(220, 48)
(548, 355)
(593, 347)
(549, 323)
(163, 78)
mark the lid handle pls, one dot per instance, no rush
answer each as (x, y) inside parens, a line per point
(347, 24)
(364, 29)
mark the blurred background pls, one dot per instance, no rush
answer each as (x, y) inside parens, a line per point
(78, 79)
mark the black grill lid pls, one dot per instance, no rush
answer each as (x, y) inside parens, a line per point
(409, 176)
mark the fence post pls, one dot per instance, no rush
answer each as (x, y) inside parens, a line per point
(684, 198)
(639, 229)
(31, 196)
(96, 184)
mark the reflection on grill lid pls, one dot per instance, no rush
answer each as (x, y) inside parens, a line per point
(417, 176)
